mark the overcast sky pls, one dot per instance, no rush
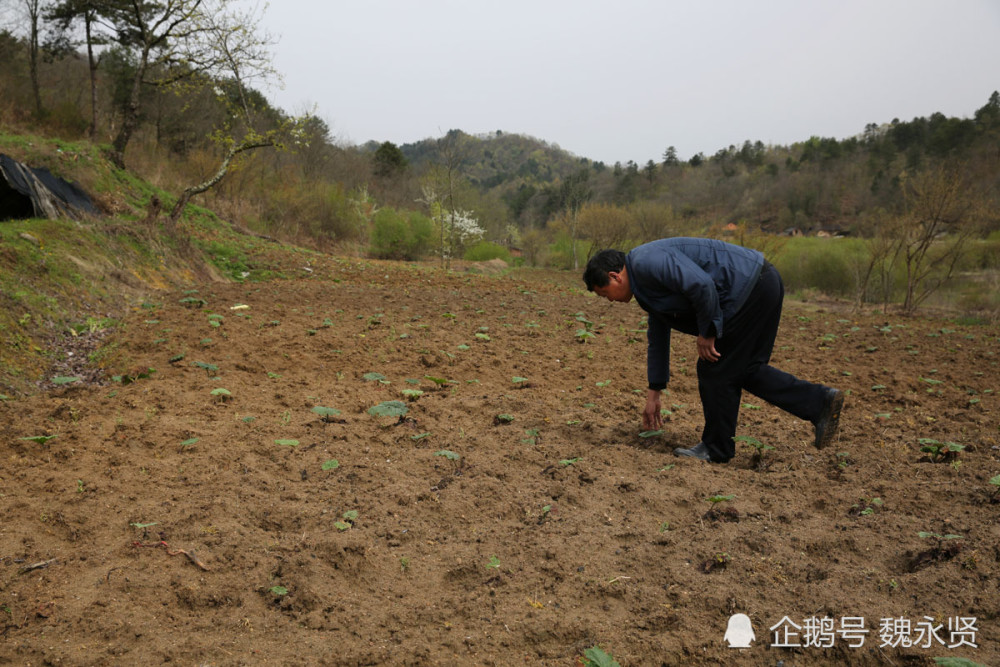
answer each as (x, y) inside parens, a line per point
(619, 80)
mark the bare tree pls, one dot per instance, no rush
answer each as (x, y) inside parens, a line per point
(241, 53)
(65, 13)
(33, 10)
(941, 214)
(174, 41)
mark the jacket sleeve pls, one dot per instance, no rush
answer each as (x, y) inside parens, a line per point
(657, 352)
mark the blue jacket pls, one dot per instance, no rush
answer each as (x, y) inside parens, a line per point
(692, 285)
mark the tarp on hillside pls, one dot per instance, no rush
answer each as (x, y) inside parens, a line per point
(28, 192)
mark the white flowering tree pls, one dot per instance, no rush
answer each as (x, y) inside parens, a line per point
(463, 230)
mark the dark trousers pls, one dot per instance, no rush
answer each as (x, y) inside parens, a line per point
(745, 350)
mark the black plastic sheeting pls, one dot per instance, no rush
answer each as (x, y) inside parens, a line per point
(28, 192)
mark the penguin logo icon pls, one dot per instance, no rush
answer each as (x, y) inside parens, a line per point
(739, 634)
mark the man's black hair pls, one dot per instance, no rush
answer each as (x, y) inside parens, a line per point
(598, 267)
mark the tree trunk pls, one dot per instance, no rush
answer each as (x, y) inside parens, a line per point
(92, 130)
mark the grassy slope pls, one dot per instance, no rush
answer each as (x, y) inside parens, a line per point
(58, 277)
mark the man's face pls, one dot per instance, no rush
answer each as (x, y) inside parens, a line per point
(617, 289)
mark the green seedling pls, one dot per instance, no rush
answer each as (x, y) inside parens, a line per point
(867, 507)
(412, 394)
(940, 451)
(62, 379)
(287, 442)
(651, 434)
(330, 464)
(222, 394)
(189, 442)
(582, 335)
(603, 384)
(389, 409)
(569, 462)
(995, 481)
(448, 454)
(419, 436)
(374, 377)
(211, 369)
(503, 419)
(482, 336)
(326, 414)
(494, 563)
(715, 500)
(39, 439)
(348, 520)
(517, 379)
(532, 434)
(595, 657)
(278, 590)
(436, 380)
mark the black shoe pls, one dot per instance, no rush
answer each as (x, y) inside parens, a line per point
(699, 451)
(829, 418)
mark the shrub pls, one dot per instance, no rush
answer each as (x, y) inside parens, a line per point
(390, 235)
(485, 251)
(827, 265)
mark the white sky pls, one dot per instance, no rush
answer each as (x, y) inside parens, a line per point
(619, 80)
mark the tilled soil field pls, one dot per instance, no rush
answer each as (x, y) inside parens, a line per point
(383, 464)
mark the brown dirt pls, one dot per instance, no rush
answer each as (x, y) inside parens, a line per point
(552, 533)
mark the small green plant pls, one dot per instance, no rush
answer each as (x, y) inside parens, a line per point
(572, 461)
(330, 464)
(503, 419)
(603, 384)
(389, 409)
(448, 454)
(278, 590)
(866, 507)
(651, 434)
(412, 394)
(287, 442)
(715, 500)
(63, 379)
(222, 394)
(326, 414)
(596, 657)
(583, 335)
(494, 563)
(995, 482)
(374, 377)
(39, 439)
(211, 369)
(941, 452)
(348, 519)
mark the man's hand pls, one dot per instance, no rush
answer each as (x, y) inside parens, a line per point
(651, 417)
(706, 349)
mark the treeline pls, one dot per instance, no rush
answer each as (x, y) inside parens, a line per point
(184, 111)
